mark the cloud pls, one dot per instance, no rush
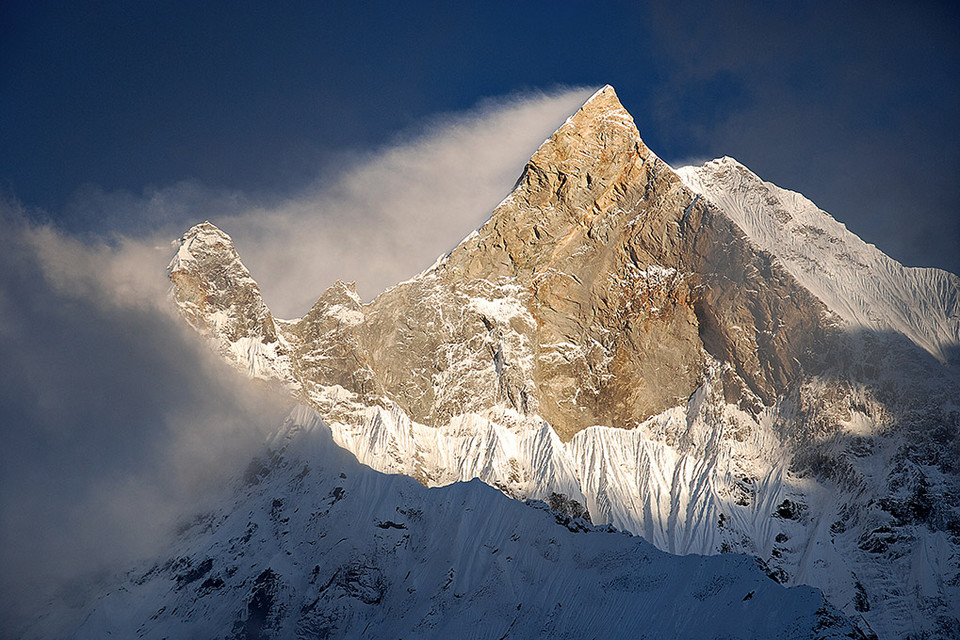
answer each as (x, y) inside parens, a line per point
(378, 219)
(156, 210)
(116, 420)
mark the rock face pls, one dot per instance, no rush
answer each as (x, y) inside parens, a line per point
(215, 292)
(217, 295)
(594, 295)
(695, 356)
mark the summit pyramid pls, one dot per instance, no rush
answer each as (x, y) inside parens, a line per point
(595, 294)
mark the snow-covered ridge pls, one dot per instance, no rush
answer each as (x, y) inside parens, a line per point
(669, 479)
(315, 545)
(857, 281)
(705, 478)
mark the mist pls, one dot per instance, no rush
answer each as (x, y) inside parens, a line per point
(118, 421)
(375, 218)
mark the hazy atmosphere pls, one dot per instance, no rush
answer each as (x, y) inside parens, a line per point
(337, 142)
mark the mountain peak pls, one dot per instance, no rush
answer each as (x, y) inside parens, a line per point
(206, 229)
(863, 286)
(214, 289)
(598, 136)
(603, 99)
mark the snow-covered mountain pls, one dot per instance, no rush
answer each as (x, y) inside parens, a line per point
(866, 288)
(694, 356)
(316, 545)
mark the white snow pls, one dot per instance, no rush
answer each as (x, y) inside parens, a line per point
(317, 545)
(502, 310)
(853, 279)
(347, 316)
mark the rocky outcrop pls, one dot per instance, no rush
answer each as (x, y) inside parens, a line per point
(592, 296)
(213, 289)
(216, 294)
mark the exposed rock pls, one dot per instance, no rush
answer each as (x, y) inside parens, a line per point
(215, 292)
(592, 296)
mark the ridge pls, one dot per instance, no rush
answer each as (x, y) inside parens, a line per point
(854, 279)
(614, 338)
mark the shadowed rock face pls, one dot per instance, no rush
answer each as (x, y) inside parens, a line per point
(592, 296)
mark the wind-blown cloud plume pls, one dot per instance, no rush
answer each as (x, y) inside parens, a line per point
(384, 215)
(117, 420)
(394, 214)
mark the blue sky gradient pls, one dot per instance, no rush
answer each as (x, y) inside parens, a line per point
(855, 106)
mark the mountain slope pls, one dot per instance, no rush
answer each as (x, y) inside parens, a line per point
(616, 342)
(316, 546)
(854, 279)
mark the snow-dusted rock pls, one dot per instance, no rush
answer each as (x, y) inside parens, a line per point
(702, 359)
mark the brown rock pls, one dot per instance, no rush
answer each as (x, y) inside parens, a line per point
(593, 295)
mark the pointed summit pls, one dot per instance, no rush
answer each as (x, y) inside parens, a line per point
(590, 297)
(214, 289)
(594, 164)
(604, 101)
(594, 147)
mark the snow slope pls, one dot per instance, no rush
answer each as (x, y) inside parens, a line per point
(668, 480)
(854, 279)
(316, 545)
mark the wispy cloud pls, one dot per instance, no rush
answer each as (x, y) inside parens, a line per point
(391, 216)
(116, 419)
(384, 216)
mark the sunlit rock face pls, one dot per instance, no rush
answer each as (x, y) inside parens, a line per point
(695, 356)
(593, 296)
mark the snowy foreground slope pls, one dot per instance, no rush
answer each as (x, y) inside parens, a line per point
(316, 545)
(699, 358)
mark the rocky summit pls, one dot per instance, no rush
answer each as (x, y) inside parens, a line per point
(695, 356)
(595, 295)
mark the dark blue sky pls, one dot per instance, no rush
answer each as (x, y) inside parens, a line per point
(855, 106)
